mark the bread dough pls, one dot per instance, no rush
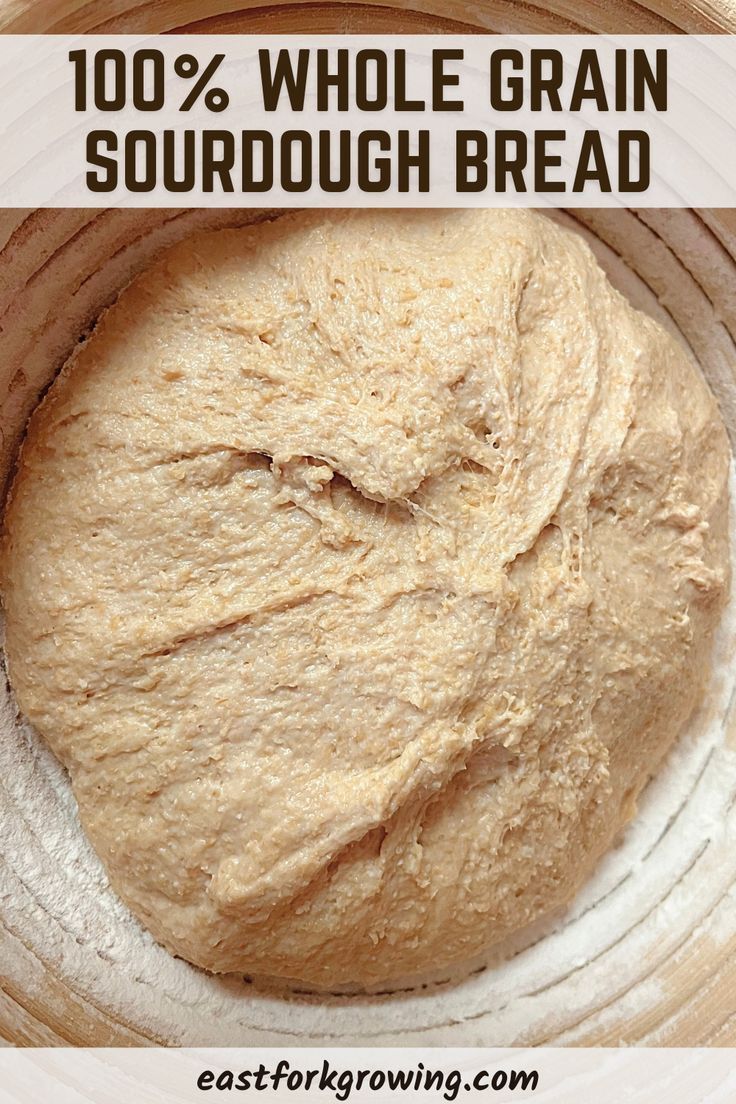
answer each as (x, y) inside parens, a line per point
(360, 568)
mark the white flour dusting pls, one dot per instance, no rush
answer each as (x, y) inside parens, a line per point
(674, 863)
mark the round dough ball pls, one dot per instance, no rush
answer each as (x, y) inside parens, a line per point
(360, 568)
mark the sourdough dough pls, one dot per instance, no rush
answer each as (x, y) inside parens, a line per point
(360, 568)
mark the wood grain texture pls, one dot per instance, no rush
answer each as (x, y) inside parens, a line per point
(671, 981)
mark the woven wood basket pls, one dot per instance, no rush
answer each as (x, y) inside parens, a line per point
(648, 955)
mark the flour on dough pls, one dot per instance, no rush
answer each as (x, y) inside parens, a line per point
(360, 568)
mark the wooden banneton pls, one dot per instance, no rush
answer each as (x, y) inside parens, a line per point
(659, 977)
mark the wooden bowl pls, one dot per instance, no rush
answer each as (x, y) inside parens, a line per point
(646, 953)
